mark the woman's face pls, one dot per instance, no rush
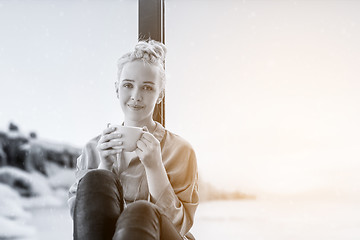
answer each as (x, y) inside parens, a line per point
(139, 90)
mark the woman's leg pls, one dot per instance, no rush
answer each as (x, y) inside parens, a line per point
(140, 220)
(168, 230)
(143, 220)
(99, 202)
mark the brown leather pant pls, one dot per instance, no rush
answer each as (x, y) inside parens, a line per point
(99, 212)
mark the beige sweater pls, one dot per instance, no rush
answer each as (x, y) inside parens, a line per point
(178, 201)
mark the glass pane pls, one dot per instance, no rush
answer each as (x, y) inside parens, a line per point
(268, 94)
(58, 65)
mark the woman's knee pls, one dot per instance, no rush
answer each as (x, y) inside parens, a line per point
(100, 183)
(99, 192)
(143, 208)
(100, 178)
(140, 220)
(99, 175)
(139, 212)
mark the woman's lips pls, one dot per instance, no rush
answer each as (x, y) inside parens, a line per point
(135, 107)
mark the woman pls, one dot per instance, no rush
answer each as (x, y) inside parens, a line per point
(153, 194)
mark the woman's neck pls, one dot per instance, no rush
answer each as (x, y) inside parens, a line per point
(149, 123)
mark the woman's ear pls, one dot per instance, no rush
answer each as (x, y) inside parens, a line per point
(117, 88)
(161, 96)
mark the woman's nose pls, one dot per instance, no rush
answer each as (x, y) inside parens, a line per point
(136, 96)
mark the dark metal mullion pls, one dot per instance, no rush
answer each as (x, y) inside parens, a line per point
(152, 25)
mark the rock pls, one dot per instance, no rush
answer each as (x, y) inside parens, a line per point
(26, 184)
(30, 153)
(11, 144)
(3, 159)
(42, 152)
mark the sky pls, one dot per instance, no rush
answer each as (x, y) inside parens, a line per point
(267, 92)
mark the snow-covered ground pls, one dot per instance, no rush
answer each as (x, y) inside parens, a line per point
(248, 219)
(18, 213)
(46, 216)
(13, 217)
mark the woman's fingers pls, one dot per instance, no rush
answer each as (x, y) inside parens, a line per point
(108, 137)
(109, 152)
(146, 140)
(108, 130)
(141, 145)
(111, 144)
(105, 142)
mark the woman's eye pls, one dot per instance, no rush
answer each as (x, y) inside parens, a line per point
(148, 88)
(127, 85)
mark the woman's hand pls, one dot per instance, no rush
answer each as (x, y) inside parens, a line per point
(108, 149)
(149, 153)
(148, 150)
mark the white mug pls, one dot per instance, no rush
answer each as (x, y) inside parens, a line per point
(130, 136)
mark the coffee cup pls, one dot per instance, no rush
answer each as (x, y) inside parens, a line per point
(130, 135)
